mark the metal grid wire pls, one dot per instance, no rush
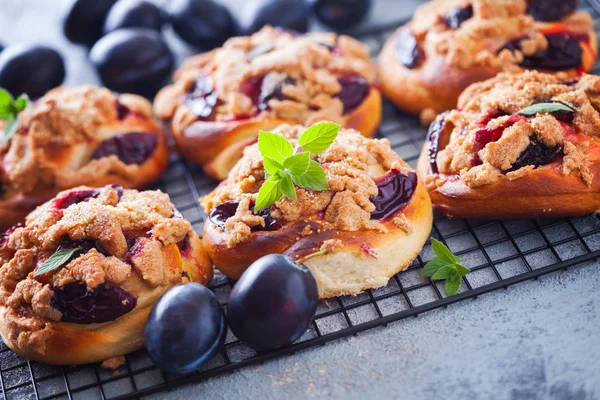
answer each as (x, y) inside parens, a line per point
(499, 254)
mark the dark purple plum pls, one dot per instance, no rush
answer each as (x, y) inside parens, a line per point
(437, 140)
(131, 148)
(355, 90)
(273, 303)
(103, 304)
(408, 52)
(204, 24)
(287, 14)
(395, 191)
(220, 214)
(186, 327)
(536, 154)
(271, 89)
(122, 110)
(84, 246)
(66, 200)
(563, 52)
(457, 16)
(202, 97)
(132, 60)
(551, 10)
(30, 69)
(133, 14)
(341, 14)
(84, 19)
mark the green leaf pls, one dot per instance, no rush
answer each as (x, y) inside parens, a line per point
(313, 179)
(445, 272)
(452, 286)
(269, 193)
(9, 130)
(461, 271)
(56, 260)
(319, 137)
(298, 164)
(271, 166)
(21, 102)
(274, 146)
(545, 108)
(6, 99)
(443, 252)
(287, 186)
(433, 266)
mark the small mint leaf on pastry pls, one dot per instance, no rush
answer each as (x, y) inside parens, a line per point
(546, 108)
(272, 166)
(269, 193)
(314, 178)
(274, 146)
(56, 260)
(319, 137)
(9, 110)
(445, 266)
(287, 186)
(297, 164)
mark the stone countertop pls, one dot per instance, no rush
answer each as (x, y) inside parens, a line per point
(536, 340)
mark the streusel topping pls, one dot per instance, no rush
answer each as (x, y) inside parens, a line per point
(286, 75)
(351, 163)
(475, 32)
(490, 139)
(120, 235)
(65, 118)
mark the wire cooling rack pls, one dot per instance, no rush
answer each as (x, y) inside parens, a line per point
(499, 254)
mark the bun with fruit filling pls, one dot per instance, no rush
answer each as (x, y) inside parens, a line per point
(518, 146)
(450, 44)
(81, 274)
(367, 226)
(221, 99)
(80, 136)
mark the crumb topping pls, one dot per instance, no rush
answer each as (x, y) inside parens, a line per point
(488, 139)
(299, 72)
(480, 39)
(122, 237)
(351, 163)
(57, 136)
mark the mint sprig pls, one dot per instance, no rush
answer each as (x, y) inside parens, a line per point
(445, 266)
(545, 108)
(56, 260)
(9, 110)
(286, 167)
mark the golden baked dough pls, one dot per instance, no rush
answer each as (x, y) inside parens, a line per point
(221, 99)
(365, 244)
(58, 146)
(132, 247)
(450, 44)
(488, 160)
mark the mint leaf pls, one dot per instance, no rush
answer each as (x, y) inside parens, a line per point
(56, 260)
(445, 272)
(271, 166)
(433, 266)
(6, 99)
(21, 102)
(319, 137)
(441, 251)
(287, 186)
(461, 271)
(298, 164)
(545, 108)
(9, 110)
(452, 286)
(269, 193)
(274, 146)
(313, 179)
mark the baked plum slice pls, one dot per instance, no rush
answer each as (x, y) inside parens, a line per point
(220, 214)
(408, 52)
(131, 148)
(355, 90)
(202, 98)
(438, 137)
(563, 52)
(395, 191)
(103, 304)
(73, 197)
(262, 89)
(536, 154)
(457, 16)
(550, 10)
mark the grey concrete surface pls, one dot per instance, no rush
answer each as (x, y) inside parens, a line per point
(538, 340)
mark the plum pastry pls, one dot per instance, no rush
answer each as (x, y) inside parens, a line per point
(450, 44)
(71, 137)
(346, 205)
(81, 274)
(221, 99)
(518, 146)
